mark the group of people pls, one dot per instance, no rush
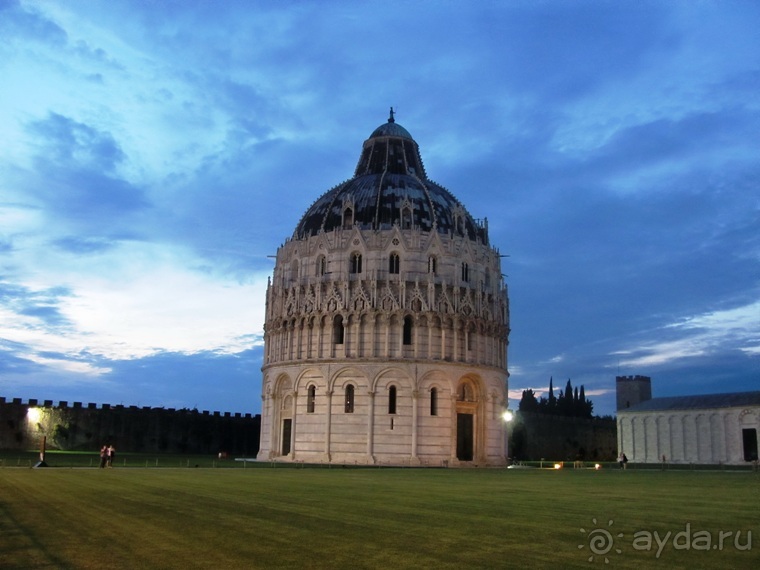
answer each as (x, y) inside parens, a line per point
(107, 453)
(623, 461)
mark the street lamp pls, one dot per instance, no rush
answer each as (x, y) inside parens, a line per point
(507, 416)
(33, 415)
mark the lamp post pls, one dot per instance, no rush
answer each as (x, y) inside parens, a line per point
(507, 416)
(34, 416)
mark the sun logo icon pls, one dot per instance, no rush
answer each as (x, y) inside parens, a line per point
(600, 541)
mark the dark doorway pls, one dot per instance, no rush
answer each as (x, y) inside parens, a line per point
(749, 437)
(287, 426)
(464, 437)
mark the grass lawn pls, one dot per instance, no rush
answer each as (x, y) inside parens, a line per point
(376, 518)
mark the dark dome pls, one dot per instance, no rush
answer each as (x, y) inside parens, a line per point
(390, 187)
(391, 129)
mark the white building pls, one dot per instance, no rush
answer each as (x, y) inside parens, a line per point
(386, 327)
(706, 429)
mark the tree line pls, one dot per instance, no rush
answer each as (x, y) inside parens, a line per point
(570, 402)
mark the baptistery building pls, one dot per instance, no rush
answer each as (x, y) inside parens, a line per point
(387, 324)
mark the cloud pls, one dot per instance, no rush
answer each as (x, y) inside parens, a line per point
(84, 245)
(69, 143)
(715, 332)
(17, 22)
(150, 301)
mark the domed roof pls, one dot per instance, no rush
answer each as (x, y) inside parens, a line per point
(391, 129)
(390, 187)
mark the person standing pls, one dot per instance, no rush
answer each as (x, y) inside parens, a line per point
(103, 456)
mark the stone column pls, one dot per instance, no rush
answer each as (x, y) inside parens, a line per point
(456, 356)
(274, 424)
(386, 322)
(415, 334)
(415, 412)
(453, 427)
(373, 335)
(429, 338)
(371, 427)
(293, 425)
(320, 329)
(328, 422)
(289, 342)
(400, 341)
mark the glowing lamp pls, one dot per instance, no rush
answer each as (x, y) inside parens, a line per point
(597, 466)
(33, 415)
(507, 416)
(558, 466)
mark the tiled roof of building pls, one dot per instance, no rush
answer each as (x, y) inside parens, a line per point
(702, 401)
(389, 178)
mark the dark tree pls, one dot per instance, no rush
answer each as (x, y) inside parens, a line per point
(571, 402)
(528, 403)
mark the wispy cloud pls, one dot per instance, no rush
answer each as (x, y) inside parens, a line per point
(737, 328)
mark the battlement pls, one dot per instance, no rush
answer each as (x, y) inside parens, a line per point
(86, 427)
(636, 378)
(632, 390)
(64, 404)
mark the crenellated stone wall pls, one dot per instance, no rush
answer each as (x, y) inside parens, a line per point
(75, 426)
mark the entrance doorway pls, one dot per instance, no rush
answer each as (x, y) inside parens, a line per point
(749, 439)
(287, 427)
(465, 437)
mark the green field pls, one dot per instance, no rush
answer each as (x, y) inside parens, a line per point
(376, 518)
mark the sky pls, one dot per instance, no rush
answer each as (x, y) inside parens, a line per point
(155, 155)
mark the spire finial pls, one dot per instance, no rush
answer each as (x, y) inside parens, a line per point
(391, 119)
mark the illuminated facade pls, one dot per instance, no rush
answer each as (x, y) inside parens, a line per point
(387, 322)
(702, 429)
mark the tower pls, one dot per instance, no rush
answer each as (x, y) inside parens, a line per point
(632, 390)
(387, 321)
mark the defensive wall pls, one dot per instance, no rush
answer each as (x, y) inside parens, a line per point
(78, 427)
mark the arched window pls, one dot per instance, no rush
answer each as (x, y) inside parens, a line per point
(321, 265)
(488, 277)
(294, 269)
(356, 263)
(392, 400)
(406, 219)
(407, 330)
(393, 263)
(348, 218)
(465, 273)
(311, 399)
(338, 329)
(432, 264)
(433, 401)
(349, 405)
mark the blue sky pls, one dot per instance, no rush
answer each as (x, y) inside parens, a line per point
(156, 153)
